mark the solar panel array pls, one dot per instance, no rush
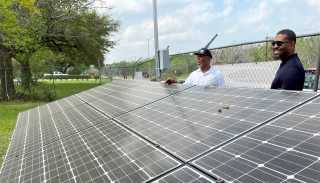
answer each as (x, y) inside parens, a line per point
(140, 131)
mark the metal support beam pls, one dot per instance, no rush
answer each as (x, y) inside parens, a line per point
(316, 81)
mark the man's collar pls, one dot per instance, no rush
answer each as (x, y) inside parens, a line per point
(210, 70)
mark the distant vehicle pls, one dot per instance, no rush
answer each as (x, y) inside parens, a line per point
(55, 73)
(310, 75)
(32, 79)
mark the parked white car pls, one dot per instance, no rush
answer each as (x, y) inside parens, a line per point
(55, 73)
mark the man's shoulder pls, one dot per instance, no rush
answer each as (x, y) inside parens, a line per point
(215, 71)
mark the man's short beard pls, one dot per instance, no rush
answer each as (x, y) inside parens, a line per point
(201, 65)
(276, 57)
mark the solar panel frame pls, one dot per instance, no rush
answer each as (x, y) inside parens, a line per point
(185, 174)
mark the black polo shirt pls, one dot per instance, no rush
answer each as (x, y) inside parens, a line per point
(290, 75)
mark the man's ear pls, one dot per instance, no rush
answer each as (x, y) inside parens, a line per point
(292, 44)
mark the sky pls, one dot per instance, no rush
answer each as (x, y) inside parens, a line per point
(188, 25)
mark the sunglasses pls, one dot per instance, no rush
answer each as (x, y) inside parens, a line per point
(279, 43)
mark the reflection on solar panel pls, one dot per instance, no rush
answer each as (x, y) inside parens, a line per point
(186, 174)
(138, 131)
(285, 150)
(135, 97)
(189, 124)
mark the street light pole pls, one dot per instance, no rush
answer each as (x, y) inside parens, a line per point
(156, 42)
(149, 56)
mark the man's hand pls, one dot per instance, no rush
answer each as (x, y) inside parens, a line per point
(169, 81)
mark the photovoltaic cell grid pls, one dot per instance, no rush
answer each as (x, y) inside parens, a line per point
(51, 128)
(186, 174)
(106, 89)
(131, 98)
(42, 112)
(188, 113)
(285, 150)
(188, 123)
(103, 153)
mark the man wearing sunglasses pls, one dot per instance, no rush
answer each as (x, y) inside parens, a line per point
(290, 75)
(206, 74)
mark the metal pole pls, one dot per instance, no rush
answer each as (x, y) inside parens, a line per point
(133, 67)
(156, 42)
(5, 78)
(54, 88)
(111, 70)
(267, 48)
(316, 81)
(99, 71)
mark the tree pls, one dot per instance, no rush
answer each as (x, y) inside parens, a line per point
(76, 31)
(17, 24)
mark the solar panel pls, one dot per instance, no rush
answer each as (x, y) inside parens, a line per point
(104, 153)
(186, 174)
(135, 97)
(43, 112)
(155, 130)
(188, 123)
(50, 128)
(106, 89)
(285, 150)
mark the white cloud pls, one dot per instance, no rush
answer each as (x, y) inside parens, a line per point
(279, 1)
(190, 34)
(307, 21)
(129, 5)
(314, 3)
(179, 21)
(255, 15)
(263, 27)
(232, 29)
(251, 16)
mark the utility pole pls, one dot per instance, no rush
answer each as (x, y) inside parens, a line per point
(156, 42)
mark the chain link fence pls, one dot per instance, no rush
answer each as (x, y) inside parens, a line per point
(48, 83)
(243, 65)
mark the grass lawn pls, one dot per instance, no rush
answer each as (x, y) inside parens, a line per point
(66, 88)
(9, 110)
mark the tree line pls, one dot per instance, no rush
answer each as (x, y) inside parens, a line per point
(57, 33)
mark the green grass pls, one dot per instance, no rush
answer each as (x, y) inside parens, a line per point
(9, 113)
(9, 110)
(66, 88)
(44, 91)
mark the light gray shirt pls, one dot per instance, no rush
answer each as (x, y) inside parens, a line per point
(212, 77)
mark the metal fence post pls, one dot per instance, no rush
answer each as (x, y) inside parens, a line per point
(316, 81)
(54, 87)
(99, 70)
(5, 78)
